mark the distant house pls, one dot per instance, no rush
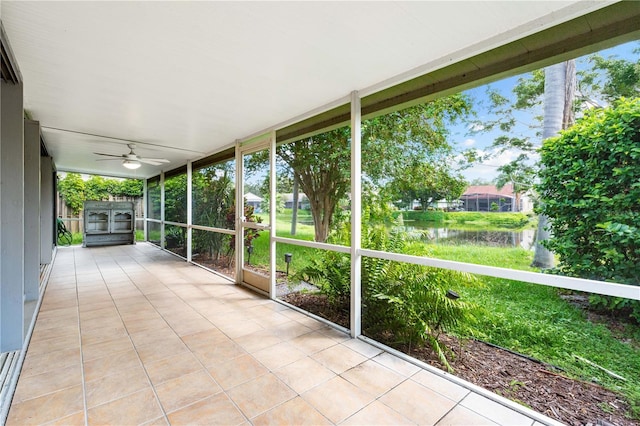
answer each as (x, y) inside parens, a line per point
(485, 198)
(254, 201)
(287, 198)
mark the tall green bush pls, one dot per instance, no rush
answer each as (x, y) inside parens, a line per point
(590, 186)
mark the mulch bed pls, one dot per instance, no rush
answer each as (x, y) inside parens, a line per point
(524, 380)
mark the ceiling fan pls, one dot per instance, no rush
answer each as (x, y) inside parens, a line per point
(132, 160)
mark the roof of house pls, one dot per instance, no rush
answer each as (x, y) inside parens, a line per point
(250, 197)
(488, 190)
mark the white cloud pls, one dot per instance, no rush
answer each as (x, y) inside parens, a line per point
(469, 142)
(488, 169)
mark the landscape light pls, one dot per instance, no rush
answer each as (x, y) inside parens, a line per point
(287, 260)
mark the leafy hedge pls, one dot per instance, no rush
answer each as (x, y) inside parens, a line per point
(590, 186)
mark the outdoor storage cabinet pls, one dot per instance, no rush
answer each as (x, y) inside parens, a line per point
(108, 222)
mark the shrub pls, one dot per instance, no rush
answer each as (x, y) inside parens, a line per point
(590, 187)
(403, 304)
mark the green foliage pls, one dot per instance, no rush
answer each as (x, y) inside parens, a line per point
(72, 190)
(130, 188)
(426, 182)
(321, 164)
(75, 191)
(394, 142)
(403, 304)
(591, 192)
(529, 90)
(213, 200)
(622, 77)
(391, 144)
(175, 198)
(331, 273)
(97, 188)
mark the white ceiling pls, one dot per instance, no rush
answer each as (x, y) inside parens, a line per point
(184, 79)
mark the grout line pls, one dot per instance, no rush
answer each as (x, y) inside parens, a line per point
(84, 387)
(153, 388)
(190, 350)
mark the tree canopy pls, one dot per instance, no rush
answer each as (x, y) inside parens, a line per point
(75, 190)
(392, 145)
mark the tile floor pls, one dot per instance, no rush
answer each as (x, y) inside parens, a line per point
(133, 335)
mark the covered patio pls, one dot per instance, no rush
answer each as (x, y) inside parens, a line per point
(137, 335)
(134, 335)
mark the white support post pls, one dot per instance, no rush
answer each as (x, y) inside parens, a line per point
(11, 217)
(189, 209)
(145, 207)
(356, 216)
(31, 210)
(272, 215)
(162, 244)
(239, 213)
(47, 210)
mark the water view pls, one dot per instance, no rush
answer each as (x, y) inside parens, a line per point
(524, 238)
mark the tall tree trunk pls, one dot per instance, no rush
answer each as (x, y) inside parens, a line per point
(559, 91)
(294, 216)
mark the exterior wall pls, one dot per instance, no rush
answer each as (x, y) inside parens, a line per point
(11, 218)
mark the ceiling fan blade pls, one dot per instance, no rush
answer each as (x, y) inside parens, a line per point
(107, 159)
(151, 161)
(108, 155)
(155, 160)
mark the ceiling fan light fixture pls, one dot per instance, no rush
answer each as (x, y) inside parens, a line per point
(131, 164)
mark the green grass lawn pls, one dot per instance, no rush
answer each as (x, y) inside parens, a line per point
(534, 320)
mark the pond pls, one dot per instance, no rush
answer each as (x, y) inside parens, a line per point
(524, 238)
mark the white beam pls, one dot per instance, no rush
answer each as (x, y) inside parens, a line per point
(356, 216)
(189, 209)
(272, 215)
(239, 212)
(47, 210)
(162, 209)
(145, 214)
(580, 284)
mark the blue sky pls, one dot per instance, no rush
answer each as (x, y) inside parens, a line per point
(463, 138)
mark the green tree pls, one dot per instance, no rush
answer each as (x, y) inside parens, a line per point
(390, 144)
(520, 174)
(72, 189)
(427, 183)
(591, 190)
(321, 165)
(559, 92)
(175, 198)
(97, 188)
(214, 199)
(621, 77)
(130, 188)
